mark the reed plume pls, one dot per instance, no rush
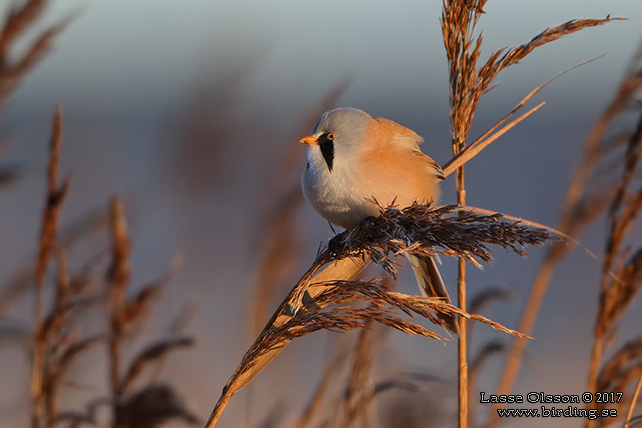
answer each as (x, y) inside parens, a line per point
(348, 304)
(468, 83)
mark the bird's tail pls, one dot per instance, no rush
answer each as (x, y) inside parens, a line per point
(431, 285)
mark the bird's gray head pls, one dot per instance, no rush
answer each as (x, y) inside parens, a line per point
(339, 132)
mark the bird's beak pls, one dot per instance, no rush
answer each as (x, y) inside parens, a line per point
(309, 140)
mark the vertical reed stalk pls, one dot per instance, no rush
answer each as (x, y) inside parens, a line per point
(462, 362)
(458, 22)
(118, 278)
(462, 368)
(47, 243)
(468, 82)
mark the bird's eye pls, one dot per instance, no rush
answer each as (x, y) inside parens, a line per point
(331, 136)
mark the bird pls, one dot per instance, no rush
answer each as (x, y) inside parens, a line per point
(353, 160)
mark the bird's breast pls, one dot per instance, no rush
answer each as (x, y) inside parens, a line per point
(336, 194)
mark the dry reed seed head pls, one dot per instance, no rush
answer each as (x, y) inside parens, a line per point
(20, 19)
(55, 196)
(422, 230)
(339, 292)
(334, 319)
(353, 292)
(513, 56)
(333, 309)
(119, 270)
(297, 316)
(497, 326)
(275, 337)
(467, 83)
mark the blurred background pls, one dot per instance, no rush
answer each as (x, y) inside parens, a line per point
(192, 110)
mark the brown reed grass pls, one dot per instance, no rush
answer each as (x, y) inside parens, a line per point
(13, 68)
(47, 242)
(58, 341)
(331, 303)
(118, 278)
(20, 18)
(488, 72)
(153, 403)
(468, 83)
(358, 389)
(582, 207)
(417, 229)
(618, 290)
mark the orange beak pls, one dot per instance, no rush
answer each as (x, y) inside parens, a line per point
(309, 140)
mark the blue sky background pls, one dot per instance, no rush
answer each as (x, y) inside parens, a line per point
(131, 75)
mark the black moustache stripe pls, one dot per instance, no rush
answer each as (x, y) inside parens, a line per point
(327, 150)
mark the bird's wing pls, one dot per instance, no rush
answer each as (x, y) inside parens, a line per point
(430, 162)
